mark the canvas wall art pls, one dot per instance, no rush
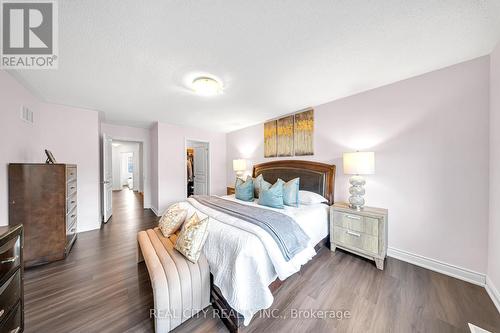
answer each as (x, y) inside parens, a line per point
(285, 136)
(270, 136)
(303, 133)
(290, 136)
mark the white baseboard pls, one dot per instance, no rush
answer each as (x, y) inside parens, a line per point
(438, 266)
(493, 292)
(154, 211)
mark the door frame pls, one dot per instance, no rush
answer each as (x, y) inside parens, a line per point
(144, 180)
(209, 166)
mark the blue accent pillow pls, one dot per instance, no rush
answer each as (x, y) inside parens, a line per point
(272, 197)
(243, 190)
(291, 192)
(260, 184)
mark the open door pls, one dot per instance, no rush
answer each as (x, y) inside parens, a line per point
(107, 183)
(200, 170)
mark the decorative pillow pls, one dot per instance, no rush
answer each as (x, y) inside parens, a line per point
(272, 197)
(310, 198)
(192, 237)
(291, 192)
(244, 190)
(259, 184)
(172, 220)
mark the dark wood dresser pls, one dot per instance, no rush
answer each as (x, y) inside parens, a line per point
(11, 279)
(43, 197)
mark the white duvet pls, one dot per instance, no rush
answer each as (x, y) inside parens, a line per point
(244, 259)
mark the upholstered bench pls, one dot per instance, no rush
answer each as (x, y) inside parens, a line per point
(180, 287)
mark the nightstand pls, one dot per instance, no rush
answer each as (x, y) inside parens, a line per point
(230, 190)
(362, 232)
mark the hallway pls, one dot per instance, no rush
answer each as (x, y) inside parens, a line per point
(126, 204)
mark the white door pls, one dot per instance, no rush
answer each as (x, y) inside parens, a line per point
(107, 172)
(200, 167)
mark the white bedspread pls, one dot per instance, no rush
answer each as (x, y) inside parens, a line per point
(244, 259)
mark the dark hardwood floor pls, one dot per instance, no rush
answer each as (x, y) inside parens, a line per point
(101, 288)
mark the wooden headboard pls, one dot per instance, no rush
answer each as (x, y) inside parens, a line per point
(315, 177)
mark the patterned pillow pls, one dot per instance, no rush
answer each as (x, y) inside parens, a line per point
(291, 192)
(172, 220)
(244, 190)
(273, 197)
(192, 237)
(260, 184)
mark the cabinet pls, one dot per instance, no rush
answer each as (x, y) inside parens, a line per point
(44, 198)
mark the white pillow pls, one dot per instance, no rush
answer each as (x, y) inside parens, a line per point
(311, 198)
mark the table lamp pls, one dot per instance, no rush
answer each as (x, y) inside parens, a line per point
(239, 166)
(358, 164)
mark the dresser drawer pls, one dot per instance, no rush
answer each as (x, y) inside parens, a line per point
(358, 223)
(12, 323)
(71, 188)
(70, 203)
(71, 230)
(71, 218)
(10, 256)
(355, 239)
(10, 293)
(70, 174)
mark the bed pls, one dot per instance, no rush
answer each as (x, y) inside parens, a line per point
(245, 267)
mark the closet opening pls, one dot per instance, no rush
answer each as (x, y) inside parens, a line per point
(197, 167)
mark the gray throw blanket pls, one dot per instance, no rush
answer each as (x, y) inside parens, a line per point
(291, 239)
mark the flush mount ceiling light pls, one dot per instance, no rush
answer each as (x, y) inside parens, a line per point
(206, 86)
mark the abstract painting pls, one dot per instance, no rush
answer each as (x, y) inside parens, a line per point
(270, 131)
(304, 130)
(285, 136)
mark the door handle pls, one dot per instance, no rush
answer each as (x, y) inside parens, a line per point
(9, 260)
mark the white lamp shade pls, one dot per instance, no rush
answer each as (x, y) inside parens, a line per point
(359, 163)
(239, 165)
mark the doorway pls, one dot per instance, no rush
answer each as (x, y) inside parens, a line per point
(123, 183)
(197, 167)
(127, 165)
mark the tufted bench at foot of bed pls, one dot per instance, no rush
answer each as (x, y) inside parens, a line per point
(180, 288)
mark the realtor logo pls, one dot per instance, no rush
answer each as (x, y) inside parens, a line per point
(29, 34)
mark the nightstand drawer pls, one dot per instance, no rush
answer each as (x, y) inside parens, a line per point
(358, 223)
(355, 239)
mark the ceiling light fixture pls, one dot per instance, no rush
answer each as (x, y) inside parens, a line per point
(206, 86)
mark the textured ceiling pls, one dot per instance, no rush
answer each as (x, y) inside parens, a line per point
(130, 59)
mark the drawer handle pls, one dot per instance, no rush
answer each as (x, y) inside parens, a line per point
(353, 217)
(72, 187)
(9, 260)
(352, 233)
(2, 312)
(73, 215)
(16, 330)
(72, 201)
(73, 229)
